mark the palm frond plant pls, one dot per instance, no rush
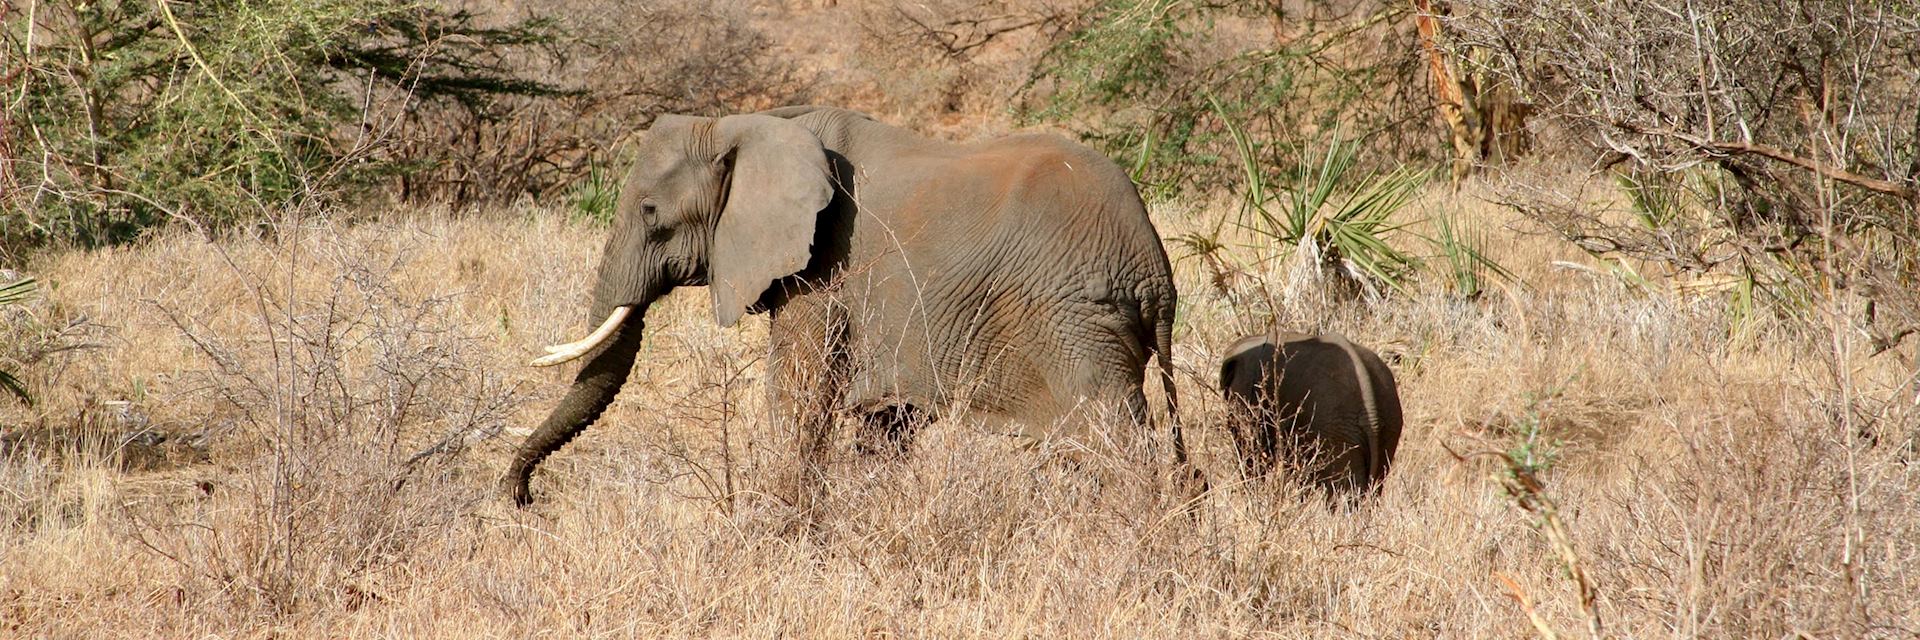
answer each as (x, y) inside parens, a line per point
(1467, 269)
(1332, 214)
(12, 294)
(595, 196)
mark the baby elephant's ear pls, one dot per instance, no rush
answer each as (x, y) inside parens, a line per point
(777, 185)
(1241, 354)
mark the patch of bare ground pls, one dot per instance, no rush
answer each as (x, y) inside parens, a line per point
(343, 399)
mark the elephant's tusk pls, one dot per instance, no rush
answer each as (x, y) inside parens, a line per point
(559, 353)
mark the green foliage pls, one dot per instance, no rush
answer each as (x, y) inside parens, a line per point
(1342, 214)
(1150, 80)
(129, 112)
(1128, 50)
(1466, 269)
(12, 294)
(1154, 82)
(1673, 202)
(1532, 452)
(595, 197)
(1122, 62)
(1655, 199)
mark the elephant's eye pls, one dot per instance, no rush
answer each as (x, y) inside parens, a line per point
(649, 213)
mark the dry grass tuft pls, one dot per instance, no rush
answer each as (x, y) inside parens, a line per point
(343, 398)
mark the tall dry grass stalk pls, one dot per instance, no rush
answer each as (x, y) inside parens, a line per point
(339, 401)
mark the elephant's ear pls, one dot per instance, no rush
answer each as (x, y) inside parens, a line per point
(777, 186)
(1228, 366)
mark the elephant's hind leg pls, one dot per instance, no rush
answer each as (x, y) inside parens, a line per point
(1099, 380)
(889, 429)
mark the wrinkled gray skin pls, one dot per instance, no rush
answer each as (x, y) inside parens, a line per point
(1319, 402)
(903, 275)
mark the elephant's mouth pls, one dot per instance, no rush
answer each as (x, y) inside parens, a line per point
(561, 353)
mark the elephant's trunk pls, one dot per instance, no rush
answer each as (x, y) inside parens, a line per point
(629, 281)
(594, 388)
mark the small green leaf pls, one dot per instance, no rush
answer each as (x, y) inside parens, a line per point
(13, 386)
(17, 291)
(11, 294)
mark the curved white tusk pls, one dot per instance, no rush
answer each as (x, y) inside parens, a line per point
(559, 353)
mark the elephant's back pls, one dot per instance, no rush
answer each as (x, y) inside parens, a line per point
(1350, 393)
(1033, 212)
(1032, 260)
(1047, 168)
(1313, 368)
(1386, 393)
(1069, 203)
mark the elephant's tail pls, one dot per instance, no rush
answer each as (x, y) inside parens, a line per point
(1163, 351)
(1376, 456)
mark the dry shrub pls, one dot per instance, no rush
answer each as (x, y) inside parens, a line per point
(339, 410)
(347, 408)
(940, 63)
(702, 435)
(1760, 526)
(1777, 150)
(40, 340)
(623, 63)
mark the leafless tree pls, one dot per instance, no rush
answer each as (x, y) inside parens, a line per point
(1781, 141)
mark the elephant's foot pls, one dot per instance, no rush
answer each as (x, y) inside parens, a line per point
(888, 429)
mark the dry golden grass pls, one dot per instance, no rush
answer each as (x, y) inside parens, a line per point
(1709, 481)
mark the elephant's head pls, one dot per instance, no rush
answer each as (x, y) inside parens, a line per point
(730, 203)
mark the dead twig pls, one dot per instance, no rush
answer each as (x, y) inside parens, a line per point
(1530, 495)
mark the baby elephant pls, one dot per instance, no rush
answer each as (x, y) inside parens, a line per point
(1319, 402)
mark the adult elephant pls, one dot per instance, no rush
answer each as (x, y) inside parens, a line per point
(1319, 402)
(1018, 277)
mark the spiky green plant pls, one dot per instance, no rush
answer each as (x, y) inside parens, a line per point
(1656, 198)
(1467, 269)
(1339, 213)
(11, 294)
(595, 197)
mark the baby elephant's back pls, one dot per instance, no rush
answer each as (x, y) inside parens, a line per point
(1313, 369)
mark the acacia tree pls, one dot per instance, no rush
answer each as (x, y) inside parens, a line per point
(120, 114)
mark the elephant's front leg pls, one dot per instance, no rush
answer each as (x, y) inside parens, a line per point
(807, 370)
